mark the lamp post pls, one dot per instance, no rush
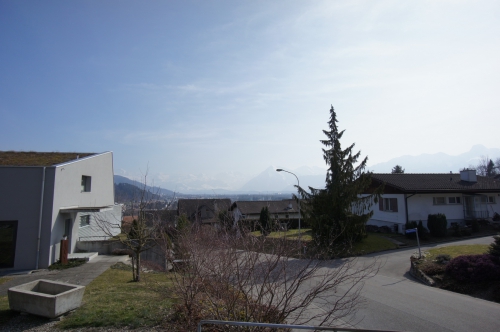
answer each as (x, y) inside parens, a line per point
(298, 185)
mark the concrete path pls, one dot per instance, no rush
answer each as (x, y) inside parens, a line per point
(80, 275)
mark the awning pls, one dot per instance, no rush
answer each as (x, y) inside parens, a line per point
(86, 209)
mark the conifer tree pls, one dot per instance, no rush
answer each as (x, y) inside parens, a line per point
(264, 220)
(339, 212)
(397, 170)
(494, 248)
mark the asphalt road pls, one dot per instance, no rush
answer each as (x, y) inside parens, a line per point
(396, 301)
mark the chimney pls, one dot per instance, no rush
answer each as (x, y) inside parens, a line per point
(468, 175)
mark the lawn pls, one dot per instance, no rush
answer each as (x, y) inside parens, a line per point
(113, 299)
(454, 251)
(293, 234)
(372, 243)
(3, 280)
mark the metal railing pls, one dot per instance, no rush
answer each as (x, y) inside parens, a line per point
(285, 326)
(94, 236)
(473, 214)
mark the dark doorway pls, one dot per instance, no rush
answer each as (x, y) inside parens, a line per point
(8, 235)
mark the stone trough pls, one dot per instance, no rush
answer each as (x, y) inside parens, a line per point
(45, 298)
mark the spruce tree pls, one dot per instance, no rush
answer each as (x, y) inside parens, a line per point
(339, 212)
(264, 220)
(490, 169)
(397, 170)
(494, 248)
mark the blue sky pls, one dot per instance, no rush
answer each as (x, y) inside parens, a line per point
(236, 86)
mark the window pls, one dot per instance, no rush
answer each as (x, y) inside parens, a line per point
(84, 221)
(86, 183)
(439, 200)
(454, 200)
(388, 204)
(488, 199)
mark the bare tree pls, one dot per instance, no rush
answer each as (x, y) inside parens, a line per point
(486, 166)
(146, 231)
(230, 278)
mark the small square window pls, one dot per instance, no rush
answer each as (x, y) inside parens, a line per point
(491, 199)
(86, 181)
(84, 221)
(439, 200)
(454, 200)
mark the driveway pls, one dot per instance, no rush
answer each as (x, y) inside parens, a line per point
(396, 301)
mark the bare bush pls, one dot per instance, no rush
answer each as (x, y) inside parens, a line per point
(146, 231)
(230, 278)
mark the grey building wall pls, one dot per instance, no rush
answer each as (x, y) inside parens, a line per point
(21, 193)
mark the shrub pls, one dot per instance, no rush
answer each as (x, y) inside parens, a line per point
(437, 224)
(443, 259)
(422, 231)
(458, 231)
(494, 249)
(473, 268)
(432, 269)
(475, 226)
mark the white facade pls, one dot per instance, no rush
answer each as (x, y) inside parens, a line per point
(458, 207)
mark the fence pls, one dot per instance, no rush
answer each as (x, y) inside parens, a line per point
(285, 326)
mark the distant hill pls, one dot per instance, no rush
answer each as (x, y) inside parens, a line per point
(271, 181)
(118, 179)
(125, 192)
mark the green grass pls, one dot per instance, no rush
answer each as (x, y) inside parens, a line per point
(5, 313)
(373, 243)
(3, 280)
(113, 299)
(454, 251)
(291, 234)
(71, 263)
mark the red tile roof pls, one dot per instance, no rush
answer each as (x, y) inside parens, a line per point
(31, 158)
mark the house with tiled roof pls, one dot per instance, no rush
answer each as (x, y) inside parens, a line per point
(48, 196)
(203, 211)
(247, 213)
(412, 197)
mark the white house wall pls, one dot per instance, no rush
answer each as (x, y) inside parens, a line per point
(68, 194)
(421, 205)
(386, 218)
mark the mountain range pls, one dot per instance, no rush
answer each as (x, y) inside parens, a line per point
(437, 162)
(270, 181)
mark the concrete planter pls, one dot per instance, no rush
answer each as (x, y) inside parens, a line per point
(45, 298)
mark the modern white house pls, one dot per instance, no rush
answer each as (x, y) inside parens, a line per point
(412, 197)
(47, 196)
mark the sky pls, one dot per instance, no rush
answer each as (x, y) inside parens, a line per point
(191, 87)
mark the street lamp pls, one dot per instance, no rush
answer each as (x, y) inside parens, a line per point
(298, 197)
